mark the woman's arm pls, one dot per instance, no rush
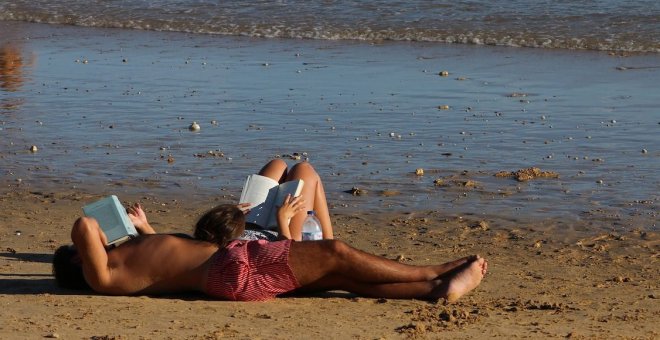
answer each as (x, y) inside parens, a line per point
(139, 219)
(290, 207)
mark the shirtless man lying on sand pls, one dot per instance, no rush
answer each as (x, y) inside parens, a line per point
(250, 270)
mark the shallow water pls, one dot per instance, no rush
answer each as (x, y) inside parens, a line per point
(108, 108)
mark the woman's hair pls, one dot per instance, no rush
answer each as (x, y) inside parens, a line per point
(68, 274)
(220, 225)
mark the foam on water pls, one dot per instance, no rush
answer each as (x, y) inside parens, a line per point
(632, 26)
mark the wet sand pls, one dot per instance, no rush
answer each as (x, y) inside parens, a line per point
(588, 286)
(568, 256)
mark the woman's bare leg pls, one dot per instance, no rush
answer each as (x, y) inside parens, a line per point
(275, 169)
(314, 195)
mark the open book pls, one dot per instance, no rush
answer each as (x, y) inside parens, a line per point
(265, 195)
(112, 218)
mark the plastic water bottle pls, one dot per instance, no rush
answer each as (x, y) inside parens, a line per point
(311, 228)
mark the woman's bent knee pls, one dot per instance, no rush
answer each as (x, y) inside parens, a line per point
(275, 165)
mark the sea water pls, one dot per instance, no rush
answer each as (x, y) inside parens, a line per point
(109, 110)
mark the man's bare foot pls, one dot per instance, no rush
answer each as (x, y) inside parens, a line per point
(465, 279)
(445, 269)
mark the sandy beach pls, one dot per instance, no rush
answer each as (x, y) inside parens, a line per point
(591, 286)
(570, 256)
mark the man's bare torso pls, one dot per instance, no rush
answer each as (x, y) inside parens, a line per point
(159, 263)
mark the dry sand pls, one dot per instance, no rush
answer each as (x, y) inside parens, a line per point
(538, 286)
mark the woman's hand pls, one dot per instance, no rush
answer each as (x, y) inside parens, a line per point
(289, 208)
(139, 219)
(244, 207)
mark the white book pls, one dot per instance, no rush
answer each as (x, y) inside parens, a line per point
(112, 218)
(265, 195)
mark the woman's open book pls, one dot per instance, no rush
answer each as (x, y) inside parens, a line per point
(265, 195)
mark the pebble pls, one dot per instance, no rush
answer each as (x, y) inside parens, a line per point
(443, 107)
(419, 172)
(443, 73)
(645, 151)
(600, 181)
(34, 148)
(18, 233)
(194, 127)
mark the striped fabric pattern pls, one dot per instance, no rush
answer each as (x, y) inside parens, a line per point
(251, 271)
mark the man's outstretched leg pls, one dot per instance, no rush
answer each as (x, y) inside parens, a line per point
(327, 265)
(450, 286)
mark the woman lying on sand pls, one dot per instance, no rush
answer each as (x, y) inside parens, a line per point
(225, 222)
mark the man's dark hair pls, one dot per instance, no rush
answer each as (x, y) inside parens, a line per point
(68, 273)
(220, 225)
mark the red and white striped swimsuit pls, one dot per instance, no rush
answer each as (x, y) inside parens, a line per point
(251, 271)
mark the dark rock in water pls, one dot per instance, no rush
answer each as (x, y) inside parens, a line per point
(355, 191)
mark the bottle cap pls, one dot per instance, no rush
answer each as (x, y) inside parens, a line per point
(310, 212)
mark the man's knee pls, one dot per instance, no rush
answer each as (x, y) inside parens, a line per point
(335, 248)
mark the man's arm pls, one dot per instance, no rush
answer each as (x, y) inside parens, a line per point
(90, 241)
